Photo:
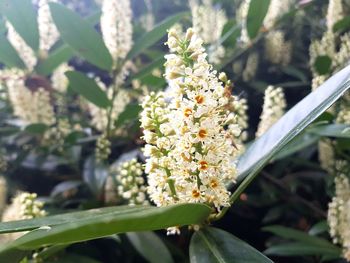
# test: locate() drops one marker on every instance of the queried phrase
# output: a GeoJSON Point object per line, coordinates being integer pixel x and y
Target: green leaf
{"type": "Point", "coordinates": [62, 53]}
{"type": "Point", "coordinates": [8, 55]}
{"type": "Point", "coordinates": [323, 64]}
{"type": "Point", "coordinates": [22, 16]}
{"type": "Point", "coordinates": [81, 36]}
{"type": "Point", "coordinates": [256, 14]}
{"type": "Point", "coordinates": [300, 249]}
{"type": "Point", "coordinates": [36, 128]}
{"type": "Point", "coordinates": [290, 125]}
{"type": "Point", "coordinates": [56, 58]}
{"type": "Point", "coordinates": [332, 130]}
{"type": "Point", "coordinates": [297, 235]}
{"type": "Point", "coordinates": [131, 112]}
{"type": "Point", "coordinates": [342, 24]}
{"type": "Point", "coordinates": [215, 245]}
{"type": "Point", "coordinates": [150, 246]}
{"type": "Point", "coordinates": [230, 33]}
{"type": "Point", "coordinates": [146, 70]}
{"type": "Point", "coordinates": [88, 88]}
{"type": "Point", "coordinates": [96, 223]}
{"type": "Point", "coordinates": [297, 144]}
{"type": "Point", "coordinates": [151, 37]}
{"type": "Point", "coordinates": [319, 228]}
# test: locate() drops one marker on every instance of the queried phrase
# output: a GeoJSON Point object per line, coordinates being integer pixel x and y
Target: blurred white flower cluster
{"type": "Point", "coordinates": [130, 183]}
{"type": "Point", "coordinates": [336, 48]}
{"type": "Point", "coordinates": [23, 206]}
{"type": "Point", "coordinates": [208, 21]}
{"type": "Point", "coordinates": [190, 151]}
{"type": "Point", "coordinates": [339, 215]}
{"type": "Point", "coordinates": [278, 50]}
{"type": "Point", "coordinates": [116, 27]}
{"type": "Point", "coordinates": [273, 109]}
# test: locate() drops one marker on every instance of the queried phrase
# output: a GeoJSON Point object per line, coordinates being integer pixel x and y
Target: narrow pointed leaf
{"type": "Point", "coordinates": [62, 53]}
{"type": "Point", "coordinates": [151, 37]}
{"type": "Point", "coordinates": [332, 130]}
{"type": "Point", "coordinates": [301, 249]}
{"type": "Point", "coordinates": [22, 16]}
{"type": "Point", "coordinates": [88, 88]}
{"type": "Point", "coordinates": [150, 246]}
{"type": "Point", "coordinates": [91, 224]}
{"type": "Point", "coordinates": [256, 14]}
{"type": "Point", "coordinates": [8, 55]}
{"type": "Point", "coordinates": [211, 245]}
{"type": "Point", "coordinates": [298, 235]}
{"type": "Point", "coordinates": [291, 124]}
{"type": "Point", "coordinates": [81, 36]}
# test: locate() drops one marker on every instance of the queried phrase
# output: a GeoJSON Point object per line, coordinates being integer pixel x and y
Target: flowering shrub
{"type": "Point", "coordinates": [239, 122]}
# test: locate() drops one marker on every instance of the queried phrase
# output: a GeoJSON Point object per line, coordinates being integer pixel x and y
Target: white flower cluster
{"type": "Point", "coordinates": [57, 134]}
{"type": "Point", "coordinates": [47, 29]}
{"type": "Point", "coordinates": [240, 118]}
{"type": "Point", "coordinates": [273, 109]}
{"type": "Point", "coordinates": [277, 9]}
{"type": "Point", "coordinates": [208, 22]}
{"type": "Point", "coordinates": [130, 183]}
{"type": "Point", "coordinates": [30, 107]}
{"type": "Point", "coordinates": [326, 155]}
{"type": "Point", "coordinates": [100, 116]}
{"type": "Point", "coordinates": [277, 49]}
{"type": "Point", "coordinates": [59, 80]}
{"type": "Point", "coordinates": [24, 206]}
{"type": "Point", "coordinates": [334, 13]}
{"type": "Point", "coordinates": [147, 20]}
{"type": "Point", "coordinates": [190, 153]}
{"type": "Point", "coordinates": [339, 215]}
{"type": "Point", "coordinates": [116, 27]}
{"type": "Point", "coordinates": [251, 66]}
{"type": "Point", "coordinates": [102, 148]}
{"type": "Point", "coordinates": [24, 51]}
{"type": "Point", "coordinates": [48, 35]}
{"type": "Point", "coordinates": [241, 17]}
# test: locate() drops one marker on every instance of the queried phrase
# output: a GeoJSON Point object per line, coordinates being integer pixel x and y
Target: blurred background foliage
{"type": "Point", "coordinates": [283, 213]}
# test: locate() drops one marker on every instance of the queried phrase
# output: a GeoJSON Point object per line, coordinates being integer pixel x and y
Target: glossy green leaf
{"type": "Point", "coordinates": [300, 142]}
{"type": "Point", "coordinates": [91, 224]}
{"type": "Point", "coordinates": [300, 249]}
{"type": "Point", "coordinates": [81, 36]}
{"type": "Point", "coordinates": [298, 235]}
{"type": "Point", "coordinates": [291, 124]}
{"type": "Point", "coordinates": [256, 14]}
{"type": "Point", "coordinates": [323, 64]}
{"type": "Point", "coordinates": [211, 245]}
{"type": "Point", "coordinates": [88, 88]}
{"type": "Point", "coordinates": [332, 130]}
{"type": "Point", "coordinates": [22, 16]}
{"type": "Point", "coordinates": [150, 246]}
{"type": "Point", "coordinates": [62, 53]}
{"type": "Point", "coordinates": [56, 58]}
{"type": "Point", "coordinates": [153, 36]}
{"type": "Point", "coordinates": [8, 55]}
